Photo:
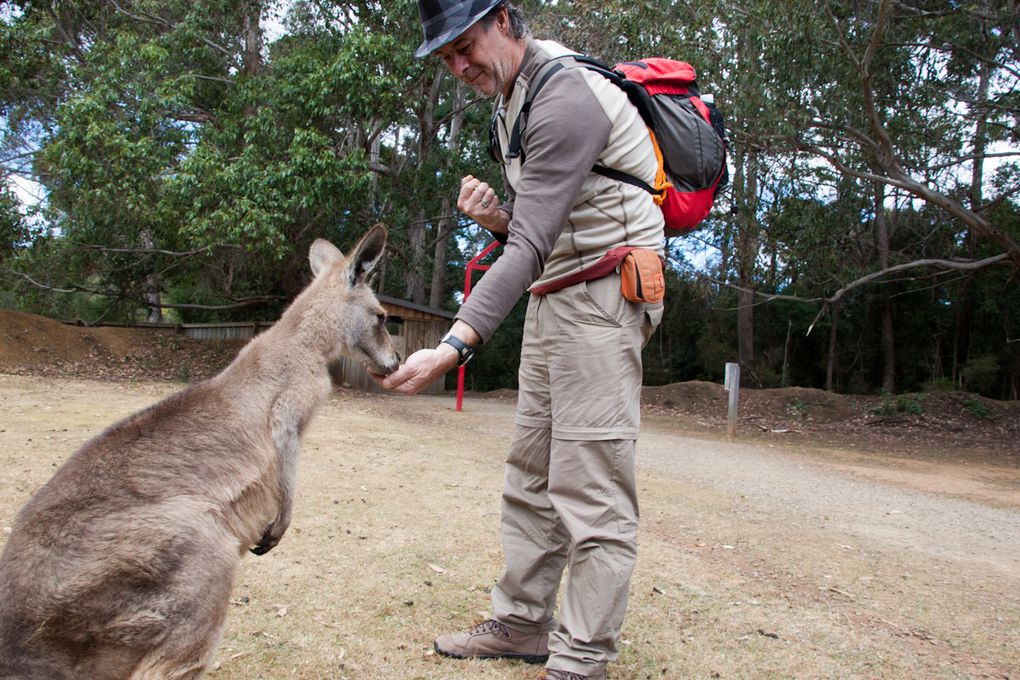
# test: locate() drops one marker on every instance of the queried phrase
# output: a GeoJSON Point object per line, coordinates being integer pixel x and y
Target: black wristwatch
{"type": "Point", "coordinates": [464, 350]}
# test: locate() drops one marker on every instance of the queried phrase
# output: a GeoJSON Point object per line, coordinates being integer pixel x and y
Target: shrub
{"type": "Point", "coordinates": [903, 403]}
{"type": "Point", "coordinates": [980, 374]}
{"type": "Point", "coordinates": [977, 408]}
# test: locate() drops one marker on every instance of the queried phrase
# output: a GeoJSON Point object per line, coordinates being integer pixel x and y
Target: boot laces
{"type": "Point", "coordinates": [491, 626]}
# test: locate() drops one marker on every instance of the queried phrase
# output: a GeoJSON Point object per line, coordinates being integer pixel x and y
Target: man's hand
{"type": "Point", "coordinates": [425, 365]}
{"type": "Point", "coordinates": [479, 201]}
{"type": "Point", "coordinates": [420, 369]}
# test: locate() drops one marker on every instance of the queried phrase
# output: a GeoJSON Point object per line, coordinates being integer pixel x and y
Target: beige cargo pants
{"type": "Point", "coordinates": [569, 496]}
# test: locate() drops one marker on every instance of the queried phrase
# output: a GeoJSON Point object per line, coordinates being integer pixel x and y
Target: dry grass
{"type": "Point", "coordinates": [396, 539]}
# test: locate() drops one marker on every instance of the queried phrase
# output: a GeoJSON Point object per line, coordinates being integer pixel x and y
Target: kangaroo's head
{"type": "Point", "coordinates": [348, 305]}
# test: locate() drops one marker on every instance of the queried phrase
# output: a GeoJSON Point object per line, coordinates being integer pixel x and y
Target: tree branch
{"type": "Point", "coordinates": [951, 265]}
{"type": "Point", "coordinates": [154, 251]}
{"type": "Point", "coordinates": [244, 302]}
{"type": "Point", "coordinates": [897, 177]}
{"type": "Point", "coordinates": [149, 19]}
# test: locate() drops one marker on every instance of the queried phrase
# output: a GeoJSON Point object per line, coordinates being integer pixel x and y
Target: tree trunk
{"type": "Point", "coordinates": [888, 343]}
{"type": "Point", "coordinates": [252, 37]}
{"type": "Point", "coordinates": [444, 229]}
{"type": "Point", "coordinates": [830, 364]}
{"type": "Point", "coordinates": [746, 258]}
{"type": "Point", "coordinates": [153, 284]}
{"type": "Point", "coordinates": [415, 275]}
{"type": "Point", "coordinates": [786, 353]}
{"type": "Point", "coordinates": [440, 256]}
{"type": "Point", "coordinates": [967, 303]}
{"type": "Point", "coordinates": [415, 272]}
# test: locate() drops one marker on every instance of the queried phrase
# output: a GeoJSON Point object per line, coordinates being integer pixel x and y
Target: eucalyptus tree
{"type": "Point", "coordinates": [865, 86]}
{"type": "Point", "coordinates": [114, 96]}
{"type": "Point", "coordinates": [14, 228]}
{"type": "Point", "coordinates": [888, 97]}
{"type": "Point", "coordinates": [188, 160]}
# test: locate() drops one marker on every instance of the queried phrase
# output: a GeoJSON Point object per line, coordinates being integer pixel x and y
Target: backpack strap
{"type": "Point", "coordinates": [637, 95]}
{"type": "Point", "coordinates": [544, 73]}
{"type": "Point", "coordinates": [662, 183]}
{"type": "Point", "coordinates": [635, 92]}
{"type": "Point", "coordinates": [621, 176]}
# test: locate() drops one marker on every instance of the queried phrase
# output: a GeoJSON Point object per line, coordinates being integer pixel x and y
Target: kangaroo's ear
{"type": "Point", "coordinates": [367, 253]}
{"type": "Point", "coordinates": [322, 255]}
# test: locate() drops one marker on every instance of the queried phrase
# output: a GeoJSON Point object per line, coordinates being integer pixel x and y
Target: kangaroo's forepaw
{"type": "Point", "coordinates": [268, 541]}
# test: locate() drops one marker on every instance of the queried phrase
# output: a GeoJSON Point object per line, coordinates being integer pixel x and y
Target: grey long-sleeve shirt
{"type": "Point", "coordinates": [563, 216]}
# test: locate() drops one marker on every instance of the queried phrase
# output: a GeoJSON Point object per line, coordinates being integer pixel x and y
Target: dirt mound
{"type": "Point", "coordinates": [35, 345]}
{"type": "Point", "coordinates": [695, 396]}
{"type": "Point", "coordinates": [802, 403]}
{"type": "Point", "coordinates": [705, 398]}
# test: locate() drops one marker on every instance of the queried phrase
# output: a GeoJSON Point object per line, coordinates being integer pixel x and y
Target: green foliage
{"type": "Point", "coordinates": [902, 403]}
{"type": "Point", "coordinates": [496, 364]}
{"type": "Point", "coordinates": [797, 407]}
{"type": "Point", "coordinates": [14, 229]}
{"type": "Point", "coordinates": [674, 352]}
{"type": "Point", "coordinates": [941, 384]}
{"type": "Point", "coordinates": [981, 373]}
{"type": "Point", "coordinates": [977, 408]}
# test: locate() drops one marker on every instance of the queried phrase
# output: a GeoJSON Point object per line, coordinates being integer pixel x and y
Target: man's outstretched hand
{"type": "Point", "coordinates": [420, 369]}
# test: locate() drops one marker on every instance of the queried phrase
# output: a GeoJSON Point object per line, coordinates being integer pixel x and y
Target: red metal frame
{"type": "Point", "coordinates": [472, 266]}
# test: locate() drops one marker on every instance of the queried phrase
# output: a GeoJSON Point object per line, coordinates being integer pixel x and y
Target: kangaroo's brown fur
{"type": "Point", "coordinates": [121, 566]}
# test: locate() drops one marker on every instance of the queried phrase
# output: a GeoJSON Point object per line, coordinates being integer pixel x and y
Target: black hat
{"type": "Point", "coordinates": [444, 20]}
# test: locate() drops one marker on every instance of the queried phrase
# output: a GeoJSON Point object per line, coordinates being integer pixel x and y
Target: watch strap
{"type": "Point", "coordinates": [464, 350]}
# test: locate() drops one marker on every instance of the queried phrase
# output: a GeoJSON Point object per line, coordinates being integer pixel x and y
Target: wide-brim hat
{"type": "Point", "coordinates": [444, 20]}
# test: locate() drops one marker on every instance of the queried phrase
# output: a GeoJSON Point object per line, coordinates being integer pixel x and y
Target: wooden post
{"type": "Point", "coordinates": [732, 385]}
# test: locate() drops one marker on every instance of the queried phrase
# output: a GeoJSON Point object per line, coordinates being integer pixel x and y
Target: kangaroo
{"type": "Point", "coordinates": [122, 565]}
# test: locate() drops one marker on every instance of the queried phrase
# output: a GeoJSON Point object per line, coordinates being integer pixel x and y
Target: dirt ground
{"type": "Point", "coordinates": [833, 538]}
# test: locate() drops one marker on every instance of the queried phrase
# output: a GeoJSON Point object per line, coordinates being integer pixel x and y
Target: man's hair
{"type": "Point", "coordinates": [518, 26]}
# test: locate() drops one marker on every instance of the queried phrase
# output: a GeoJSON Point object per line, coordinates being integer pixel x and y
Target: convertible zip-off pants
{"type": "Point", "coordinates": [569, 496]}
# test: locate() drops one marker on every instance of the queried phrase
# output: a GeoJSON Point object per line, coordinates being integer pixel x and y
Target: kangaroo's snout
{"type": "Point", "coordinates": [382, 363]}
{"type": "Point", "coordinates": [389, 366]}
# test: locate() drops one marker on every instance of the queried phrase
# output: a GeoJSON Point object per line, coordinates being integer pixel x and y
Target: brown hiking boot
{"type": "Point", "coordinates": [494, 640]}
{"type": "Point", "coordinates": [554, 674]}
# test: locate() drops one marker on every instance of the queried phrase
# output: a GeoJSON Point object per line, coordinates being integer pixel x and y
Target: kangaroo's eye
{"type": "Point", "coordinates": [380, 319]}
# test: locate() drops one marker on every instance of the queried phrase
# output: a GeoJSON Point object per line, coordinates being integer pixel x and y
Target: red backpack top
{"type": "Point", "coordinates": [687, 133]}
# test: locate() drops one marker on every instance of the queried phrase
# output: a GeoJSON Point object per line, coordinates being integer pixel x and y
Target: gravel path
{"type": "Point", "coordinates": [928, 523]}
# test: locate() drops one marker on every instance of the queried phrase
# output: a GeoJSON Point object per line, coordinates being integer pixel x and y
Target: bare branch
{"type": "Point", "coordinates": [150, 19]}
{"type": "Point", "coordinates": [154, 251]}
{"type": "Point", "coordinates": [73, 289]}
{"type": "Point", "coordinates": [68, 40]}
{"type": "Point", "coordinates": [948, 265]}
{"type": "Point", "coordinates": [851, 133]}
{"type": "Point", "coordinates": [876, 38]}
{"type": "Point", "coordinates": [972, 157]}
{"type": "Point", "coordinates": [244, 302]}
{"type": "Point", "coordinates": [898, 178]}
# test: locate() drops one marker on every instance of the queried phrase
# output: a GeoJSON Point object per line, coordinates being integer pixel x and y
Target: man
{"type": "Point", "coordinates": [569, 497]}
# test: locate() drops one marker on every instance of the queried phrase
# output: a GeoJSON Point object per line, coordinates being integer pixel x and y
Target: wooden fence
{"type": "Point", "coordinates": [411, 326]}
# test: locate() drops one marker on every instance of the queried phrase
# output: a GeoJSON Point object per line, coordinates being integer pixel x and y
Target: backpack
{"type": "Point", "coordinates": [687, 132]}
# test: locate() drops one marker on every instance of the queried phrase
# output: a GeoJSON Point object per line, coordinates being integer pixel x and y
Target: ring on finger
{"type": "Point", "coordinates": [485, 203]}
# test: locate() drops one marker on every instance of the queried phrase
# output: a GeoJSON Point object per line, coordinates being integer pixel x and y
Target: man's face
{"type": "Point", "coordinates": [481, 56]}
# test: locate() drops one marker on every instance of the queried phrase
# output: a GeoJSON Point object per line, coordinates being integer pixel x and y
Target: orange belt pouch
{"type": "Point", "coordinates": [641, 278]}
